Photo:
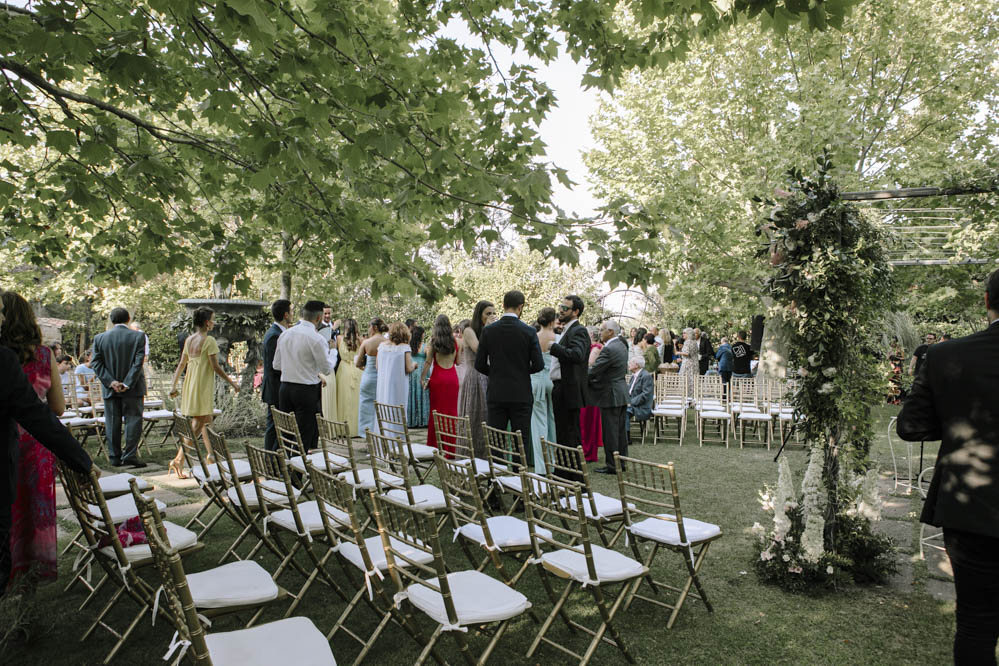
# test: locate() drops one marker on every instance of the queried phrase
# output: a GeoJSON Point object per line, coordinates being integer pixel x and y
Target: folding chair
{"type": "Point", "coordinates": [392, 422]}
{"type": "Point", "coordinates": [506, 457]}
{"type": "Point", "coordinates": [712, 412]}
{"type": "Point", "coordinates": [454, 601]}
{"type": "Point", "coordinates": [280, 508]}
{"type": "Point", "coordinates": [361, 477]}
{"type": "Point", "coordinates": [780, 394]}
{"type": "Point", "coordinates": [289, 641]}
{"type": "Point", "coordinates": [290, 441]}
{"type": "Point", "coordinates": [359, 555]}
{"type": "Point", "coordinates": [454, 435]}
{"type": "Point", "coordinates": [670, 406]}
{"type": "Point", "coordinates": [393, 482]}
{"type": "Point", "coordinates": [652, 515]}
{"type": "Point", "coordinates": [121, 565]}
{"type": "Point", "coordinates": [602, 510]}
{"type": "Point", "coordinates": [556, 518]}
{"type": "Point", "coordinates": [752, 409]}
{"type": "Point", "coordinates": [496, 535]}
{"type": "Point", "coordinates": [154, 415]}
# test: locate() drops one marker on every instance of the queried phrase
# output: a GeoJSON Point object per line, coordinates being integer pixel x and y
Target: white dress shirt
{"type": "Point", "coordinates": [301, 355]}
{"type": "Point", "coordinates": [556, 371]}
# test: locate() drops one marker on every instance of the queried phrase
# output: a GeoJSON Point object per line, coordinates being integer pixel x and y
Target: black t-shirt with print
{"type": "Point", "coordinates": [742, 354]}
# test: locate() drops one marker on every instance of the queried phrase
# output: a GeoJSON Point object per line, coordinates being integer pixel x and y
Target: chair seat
{"type": "Point", "coordinates": [83, 409]}
{"type": "Point", "coordinates": [316, 459]}
{"type": "Point", "coordinates": [610, 565]}
{"type": "Point", "coordinates": [77, 422]}
{"type": "Point", "coordinates": [352, 553]}
{"type": "Point", "coordinates": [309, 513]}
{"type": "Point", "coordinates": [715, 414]}
{"type": "Point", "coordinates": [786, 416]}
{"type": "Point", "coordinates": [240, 583]}
{"type": "Point", "coordinates": [250, 492]}
{"type": "Point", "coordinates": [607, 507]}
{"type": "Point", "coordinates": [157, 415]}
{"type": "Point", "coordinates": [423, 452]}
{"type": "Point", "coordinates": [506, 531]}
{"type": "Point", "coordinates": [478, 599]}
{"type": "Point", "coordinates": [122, 508]}
{"type": "Point", "coordinates": [665, 530]}
{"type": "Point", "coordinates": [513, 483]}
{"type": "Point", "coordinates": [425, 496]}
{"type": "Point", "coordinates": [242, 468]}
{"type": "Point", "coordinates": [117, 484]}
{"type": "Point", "coordinates": [481, 466]}
{"type": "Point", "coordinates": [155, 403]}
{"type": "Point", "coordinates": [294, 640]}
{"type": "Point", "coordinates": [68, 414]}
{"type": "Point", "coordinates": [668, 411]}
{"type": "Point", "coordinates": [755, 416]}
{"type": "Point", "coordinates": [178, 537]}
{"type": "Point", "coordinates": [367, 477]}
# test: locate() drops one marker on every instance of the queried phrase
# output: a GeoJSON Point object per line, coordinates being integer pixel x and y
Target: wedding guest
{"type": "Point", "coordinates": [366, 361]}
{"type": "Point", "coordinates": [569, 364]}
{"type": "Point", "coordinates": [327, 382]}
{"type": "Point", "coordinates": [590, 426]}
{"type": "Point", "coordinates": [118, 357]}
{"type": "Point", "coordinates": [725, 360]}
{"type": "Point", "coordinates": [443, 382]}
{"type": "Point", "coordinates": [302, 356]}
{"type": "Point", "coordinates": [689, 354]}
{"type": "Point", "coordinates": [134, 325]}
{"type": "Point", "coordinates": [636, 346]}
{"type": "Point", "coordinates": [705, 352]}
{"type": "Point", "coordinates": [419, 402]}
{"type": "Point", "coordinates": [610, 392]}
{"type": "Point", "coordinates": [348, 375]}
{"type": "Point", "coordinates": [395, 363]}
{"type": "Point", "coordinates": [650, 355]}
{"type": "Point", "coordinates": [460, 362]}
{"type": "Point", "coordinates": [32, 539]}
{"type": "Point", "coordinates": [742, 356]}
{"type": "Point", "coordinates": [543, 412]}
{"type": "Point", "coordinates": [64, 365]}
{"type": "Point", "coordinates": [641, 395]}
{"type": "Point", "coordinates": [201, 362]}
{"type": "Point", "coordinates": [84, 375]}
{"type": "Point", "coordinates": [271, 386]}
{"type": "Point", "coordinates": [472, 395]}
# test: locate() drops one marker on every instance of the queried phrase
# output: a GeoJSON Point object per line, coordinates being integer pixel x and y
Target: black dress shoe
{"type": "Point", "coordinates": [605, 470]}
{"type": "Point", "coordinates": [136, 464]}
{"type": "Point", "coordinates": [114, 462]}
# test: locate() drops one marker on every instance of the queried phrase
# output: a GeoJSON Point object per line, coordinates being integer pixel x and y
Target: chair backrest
{"type": "Point", "coordinates": [671, 388]}
{"type": "Point", "coordinates": [272, 483]}
{"type": "Point", "coordinates": [454, 435]}
{"type": "Point", "coordinates": [96, 395]}
{"type": "Point", "coordinates": [504, 451]}
{"type": "Point", "coordinates": [568, 463]}
{"type": "Point", "coordinates": [335, 498]}
{"type": "Point", "coordinates": [461, 491]}
{"type": "Point", "coordinates": [69, 393]}
{"type": "Point", "coordinates": [556, 506]}
{"type": "Point", "coordinates": [334, 437]}
{"type": "Point", "coordinates": [389, 457]}
{"type": "Point", "coordinates": [179, 602]}
{"type": "Point", "coordinates": [189, 444]}
{"type": "Point", "coordinates": [709, 391]}
{"type": "Point", "coordinates": [288, 436]}
{"type": "Point", "coordinates": [392, 421]}
{"type": "Point", "coordinates": [746, 393]}
{"type": "Point", "coordinates": [228, 476]}
{"type": "Point", "coordinates": [407, 531]}
{"type": "Point", "coordinates": [651, 491]}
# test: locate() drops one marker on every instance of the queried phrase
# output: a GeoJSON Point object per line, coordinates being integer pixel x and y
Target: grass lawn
{"type": "Point", "coordinates": [752, 623]}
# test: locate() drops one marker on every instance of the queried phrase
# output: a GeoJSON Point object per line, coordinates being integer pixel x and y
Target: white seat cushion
{"type": "Point", "coordinates": [607, 507]}
{"type": "Point", "coordinates": [610, 565]}
{"type": "Point", "coordinates": [367, 477]}
{"type": "Point", "coordinates": [250, 492]}
{"type": "Point", "coordinates": [83, 409]}
{"type": "Point", "coordinates": [77, 422]}
{"type": "Point", "coordinates": [478, 598]}
{"type": "Point", "coordinates": [481, 466]}
{"type": "Point", "coordinates": [715, 414]}
{"type": "Point", "coordinates": [154, 403]}
{"type": "Point", "coordinates": [316, 458]}
{"type": "Point", "coordinates": [294, 640]}
{"type": "Point", "coordinates": [122, 508]}
{"type": "Point", "coordinates": [667, 531]}
{"type": "Point", "coordinates": [423, 452]}
{"type": "Point", "coordinates": [513, 483]}
{"type": "Point", "coordinates": [241, 466]}
{"type": "Point", "coordinates": [755, 416]}
{"type": "Point", "coordinates": [309, 513]}
{"type": "Point", "coordinates": [786, 416]}
{"type": "Point", "coordinates": [177, 536]}
{"type": "Point", "coordinates": [669, 411]}
{"type": "Point", "coordinates": [117, 484]}
{"type": "Point", "coordinates": [68, 414]}
{"type": "Point", "coordinates": [426, 497]}
{"type": "Point", "coordinates": [506, 531]}
{"type": "Point", "coordinates": [373, 545]}
{"type": "Point", "coordinates": [157, 415]}
{"type": "Point", "coordinates": [234, 584]}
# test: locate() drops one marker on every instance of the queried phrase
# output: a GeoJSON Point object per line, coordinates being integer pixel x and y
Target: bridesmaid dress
{"type": "Point", "coordinates": [419, 403]}
{"type": "Point", "coordinates": [348, 387]}
{"type": "Point", "coordinates": [392, 387]}
{"type": "Point", "coordinates": [443, 387]}
{"type": "Point", "coordinates": [366, 399]}
{"type": "Point", "coordinates": [543, 415]}
{"type": "Point", "coordinates": [472, 403]}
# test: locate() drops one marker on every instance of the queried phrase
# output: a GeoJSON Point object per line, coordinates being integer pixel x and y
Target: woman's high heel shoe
{"type": "Point", "coordinates": [175, 468]}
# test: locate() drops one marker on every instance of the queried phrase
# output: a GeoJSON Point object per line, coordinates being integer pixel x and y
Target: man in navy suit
{"type": "Point", "coordinates": [509, 353]}
{"type": "Point", "coordinates": [281, 312]}
{"type": "Point", "coordinates": [118, 357]}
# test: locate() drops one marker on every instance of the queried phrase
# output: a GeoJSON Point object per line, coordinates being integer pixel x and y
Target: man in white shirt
{"type": "Point", "coordinates": [301, 357]}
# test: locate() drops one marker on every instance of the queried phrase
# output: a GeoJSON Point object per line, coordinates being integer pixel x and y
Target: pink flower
{"type": "Point", "coordinates": [795, 569]}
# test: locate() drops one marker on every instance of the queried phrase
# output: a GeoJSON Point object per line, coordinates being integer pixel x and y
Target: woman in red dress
{"type": "Point", "coordinates": [33, 516]}
{"type": "Point", "coordinates": [590, 428]}
{"type": "Point", "coordinates": [443, 383]}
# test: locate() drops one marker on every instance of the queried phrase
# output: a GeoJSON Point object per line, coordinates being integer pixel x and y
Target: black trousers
{"type": "Point", "coordinates": [270, 435]}
{"type": "Point", "coordinates": [5, 561]}
{"type": "Point", "coordinates": [131, 410]}
{"type": "Point", "coordinates": [305, 401]}
{"type": "Point", "coordinates": [566, 419]}
{"type": "Point", "coordinates": [702, 365]}
{"type": "Point", "coordinates": [614, 421]}
{"type": "Point", "coordinates": [518, 416]}
{"type": "Point", "coordinates": [975, 559]}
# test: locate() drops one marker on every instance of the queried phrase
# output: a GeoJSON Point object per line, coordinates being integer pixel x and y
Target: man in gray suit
{"type": "Point", "coordinates": [641, 394]}
{"type": "Point", "coordinates": [117, 360]}
{"type": "Point", "coordinates": [610, 392]}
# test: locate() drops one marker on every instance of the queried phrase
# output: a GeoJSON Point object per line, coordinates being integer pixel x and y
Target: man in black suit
{"type": "Point", "coordinates": [705, 351]}
{"type": "Point", "coordinates": [117, 361]}
{"type": "Point", "coordinates": [610, 392]}
{"type": "Point", "coordinates": [955, 399]}
{"type": "Point", "coordinates": [20, 404]}
{"type": "Point", "coordinates": [281, 312]}
{"type": "Point", "coordinates": [509, 353]}
{"type": "Point", "coordinates": [569, 366]}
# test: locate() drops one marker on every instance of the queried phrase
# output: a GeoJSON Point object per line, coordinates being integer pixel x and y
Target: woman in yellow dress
{"type": "Point", "coordinates": [200, 359]}
{"type": "Point", "coordinates": [348, 376]}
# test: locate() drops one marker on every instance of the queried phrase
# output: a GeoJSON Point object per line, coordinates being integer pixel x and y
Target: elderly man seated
{"type": "Point", "coordinates": [641, 393]}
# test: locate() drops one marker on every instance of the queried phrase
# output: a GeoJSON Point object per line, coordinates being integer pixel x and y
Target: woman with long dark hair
{"type": "Point", "coordinates": [33, 514]}
{"type": "Point", "coordinates": [348, 375]}
{"type": "Point", "coordinates": [366, 360]}
{"type": "Point", "coordinates": [419, 402]}
{"type": "Point", "coordinates": [472, 396]}
{"type": "Point", "coordinates": [591, 429]}
{"type": "Point", "coordinates": [443, 383]}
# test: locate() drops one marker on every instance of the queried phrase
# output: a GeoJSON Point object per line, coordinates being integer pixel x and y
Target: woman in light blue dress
{"type": "Point", "coordinates": [366, 357]}
{"type": "Point", "coordinates": [543, 416]}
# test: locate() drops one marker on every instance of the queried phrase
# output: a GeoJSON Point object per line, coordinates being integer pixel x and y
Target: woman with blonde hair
{"type": "Point", "coordinates": [395, 363]}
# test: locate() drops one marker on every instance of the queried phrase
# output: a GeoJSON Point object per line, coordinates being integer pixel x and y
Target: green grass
{"type": "Point", "coordinates": [752, 623]}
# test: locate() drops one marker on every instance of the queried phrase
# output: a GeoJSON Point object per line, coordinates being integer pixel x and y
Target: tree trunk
{"type": "Point", "coordinates": [286, 263]}
{"type": "Point", "coordinates": [773, 350]}
{"type": "Point", "coordinates": [830, 477]}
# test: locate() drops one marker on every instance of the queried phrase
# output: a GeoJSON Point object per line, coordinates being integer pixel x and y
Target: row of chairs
{"type": "Point", "coordinates": [276, 515]}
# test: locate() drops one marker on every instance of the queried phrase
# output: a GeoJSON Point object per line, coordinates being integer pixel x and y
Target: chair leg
{"type": "Point", "coordinates": [608, 623]}
{"type": "Point", "coordinates": [557, 610]}
{"type": "Point", "coordinates": [430, 646]}
{"type": "Point", "coordinates": [693, 568]}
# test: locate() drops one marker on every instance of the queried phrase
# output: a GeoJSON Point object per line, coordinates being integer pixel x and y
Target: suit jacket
{"type": "Point", "coordinates": [607, 385]}
{"type": "Point", "coordinates": [118, 355]}
{"type": "Point", "coordinates": [509, 353]}
{"type": "Point", "coordinates": [573, 354]}
{"type": "Point", "coordinates": [272, 378]}
{"type": "Point", "coordinates": [954, 399]}
{"type": "Point", "coordinates": [19, 403]}
{"type": "Point", "coordinates": [643, 394]}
